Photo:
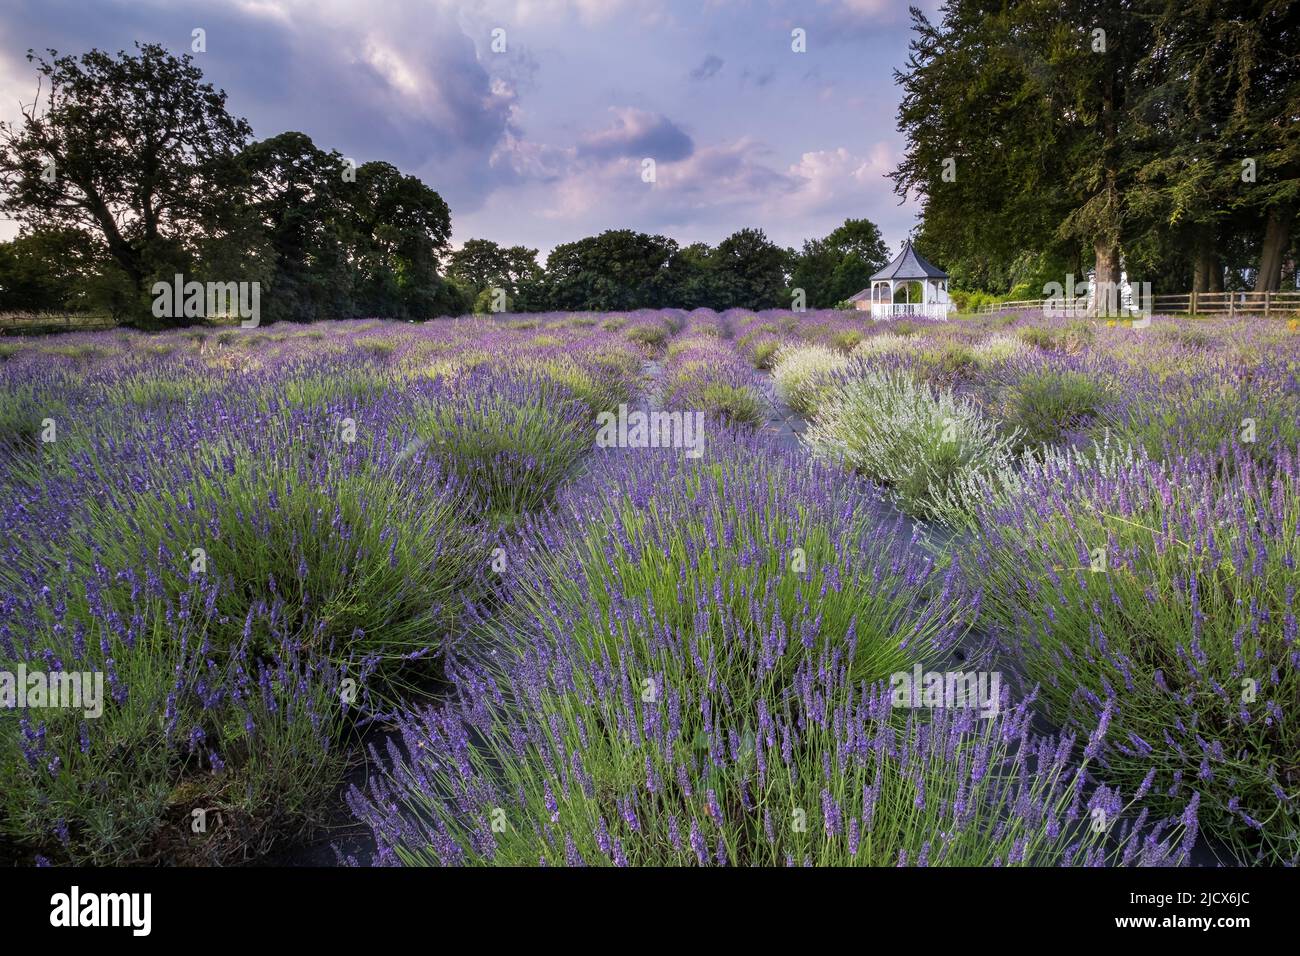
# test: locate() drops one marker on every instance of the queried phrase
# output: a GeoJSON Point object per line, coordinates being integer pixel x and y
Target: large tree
{"type": "Point", "coordinates": [750, 271]}
{"type": "Point", "coordinates": [691, 281]}
{"type": "Point", "coordinates": [296, 191]}
{"type": "Point", "coordinates": [482, 264]}
{"type": "Point", "coordinates": [134, 149]}
{"type": "Point", "coordinates": [47, 270]}
{"type": "Point", "coordinates": [399, 230]}
{"type": "Point", "coordinates": [1015, 115]}
{"type": "Point", "coordinates": [981, 155]}
{"type": "Point", "coordinates": [1053, 133]}
{"type": "Point", "coordinates": [618, 269]}
{"type": "Point", "coordinates": [832, 269]}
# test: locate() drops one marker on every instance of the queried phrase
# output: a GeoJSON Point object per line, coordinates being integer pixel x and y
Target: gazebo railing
{"type": "Point", "coordinates": [893, 310]}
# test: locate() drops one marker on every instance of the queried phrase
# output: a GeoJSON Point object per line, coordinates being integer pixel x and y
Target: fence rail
{"type": "Point", "coordinates": [1267, 304]}
{"type": "Point", "coordinates": [54, 322]}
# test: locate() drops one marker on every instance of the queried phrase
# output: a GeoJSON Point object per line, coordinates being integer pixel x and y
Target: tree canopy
{"type": "Point", "coordinates": [1048, 136]}
{"type": "Point", "coordinates": [136, 163]}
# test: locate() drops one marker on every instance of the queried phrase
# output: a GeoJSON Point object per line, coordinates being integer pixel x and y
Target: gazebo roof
{"type": "Point", "coordinates": [910, 265]}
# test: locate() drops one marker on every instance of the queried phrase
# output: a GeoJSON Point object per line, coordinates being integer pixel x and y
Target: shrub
{"type": "Point", "coordinates": [370, 558]}
{"type": "Point", "coordinates": [252, 738]}
{"type": "Point", "coordinates": [802, 374]}
{"type": "Point", "coordinates": [1047, 405]}
{"type": "Point", "coordinates": [224, 588]}
{"type": "Point", "coordinates": [22, 410]}
{"type": "Point", "coordinates": [322, 386]}
{"type": "Point", "coordinates": [80, 353]}
{"type": "Point", "coordinates": [733, 404]}
{"type": "Point", "coordinates": [601, 387]}
{"type": "Point", "coordinates": [152, 390]}
{"type": "Point", "coordinates": [375, 347]}
{"type": "Point", "coordinates": [693, 342]}
{"type": "Point", "coordinates": [1037, 336]}
{"type": "Point", "coordinates": [846, 340]}
{"type": "Point", "coordinates": [902, 433]}
{"type": "Point", "coordinates": [760, 345]}
{"type": "Point", "coordinates": [765, 353]}
{"type": "Point", "coordinates": [886, 343]}
{"type": "Point", "coordinates": [1070, 339]}
{"type": "Point", "coordinates": [651, 335]}
{"type": "Point", "coordinates": [945, 364]}
{"type": "Point", "coordinates": [707, 375]}
{"type": "Point", "coordinates": [999, 348]}
{"type": "Point", "coordinates": [1184, 334]}
{"type": "Point", "coordinates": [1187, 418]}
{"type": "Point", "coordinates": [511, 439]}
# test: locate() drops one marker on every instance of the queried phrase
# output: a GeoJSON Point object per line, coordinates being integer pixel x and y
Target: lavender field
{"type": "Point", "coordinates": [656, 588]}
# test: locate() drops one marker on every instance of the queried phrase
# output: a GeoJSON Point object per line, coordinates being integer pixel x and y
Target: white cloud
{"type": "Point", "coordinates": [830, 176]}
{"type": "Point", "coordinates": [389, 63]}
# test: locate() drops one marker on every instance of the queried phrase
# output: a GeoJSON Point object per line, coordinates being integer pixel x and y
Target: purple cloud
{"type": "Point", "coordinates": [708, 67]}
{"type": "Point", "coordinates": [638, 133]}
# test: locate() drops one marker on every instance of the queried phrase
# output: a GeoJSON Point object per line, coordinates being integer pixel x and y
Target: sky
{"type": "Point", "coordinates": [534, 118]}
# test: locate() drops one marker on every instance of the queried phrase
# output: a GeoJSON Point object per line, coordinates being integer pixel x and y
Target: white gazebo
{"type": "Point", "coordinates": [910, 269]}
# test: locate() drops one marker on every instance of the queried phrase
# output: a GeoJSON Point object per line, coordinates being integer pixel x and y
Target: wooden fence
{"type": "Point", "coordinates": [1268, 304]}
{"type": "Point", "coordinates": [22, 323]}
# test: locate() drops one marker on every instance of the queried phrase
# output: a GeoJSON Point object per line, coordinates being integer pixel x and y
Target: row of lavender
{"type": "Point", "coordinates": [255, 541]}
{"type": "Point", "coordinates": [693, 671]}
{"type": "Point", "coordinates": [267, 538]}
{"type": "Point", "coordinates": [1128, 499]}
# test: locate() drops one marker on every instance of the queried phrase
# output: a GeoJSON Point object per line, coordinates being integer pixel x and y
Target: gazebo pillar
{"type": "Point", "coordinates": [878, 285]}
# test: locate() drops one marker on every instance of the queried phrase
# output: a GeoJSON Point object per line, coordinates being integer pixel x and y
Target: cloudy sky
{"type": "Point", "coordinates": [545, 141]}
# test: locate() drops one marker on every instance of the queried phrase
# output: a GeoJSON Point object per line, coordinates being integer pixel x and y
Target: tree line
{"type": "Point", "coordinates": [1055, 136]}
{"type": "Point", "coordinates": [624, 269]}
{"type": "Point", "coordinates": [127, 170]}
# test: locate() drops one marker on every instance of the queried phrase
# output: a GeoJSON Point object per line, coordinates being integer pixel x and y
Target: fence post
{"type": "Point", "coordinates": [1267, 297]}
{"type": "Point", "coordinates": [1191, 306]}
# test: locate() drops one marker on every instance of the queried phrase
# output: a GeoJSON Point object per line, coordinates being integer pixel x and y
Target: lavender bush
{"type": "Point", "coordinates": [1158, 601]}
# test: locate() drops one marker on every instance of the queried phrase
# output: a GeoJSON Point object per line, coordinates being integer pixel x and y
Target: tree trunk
{"type": "Point", "coordinates": [1277, 238]}
{"type": "Point", "coordinates": [1106, 298]}
{"type": "Point", "coordinates": [1204, 264]}
{"type": "Point", "coordinates": [1216, 274]}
